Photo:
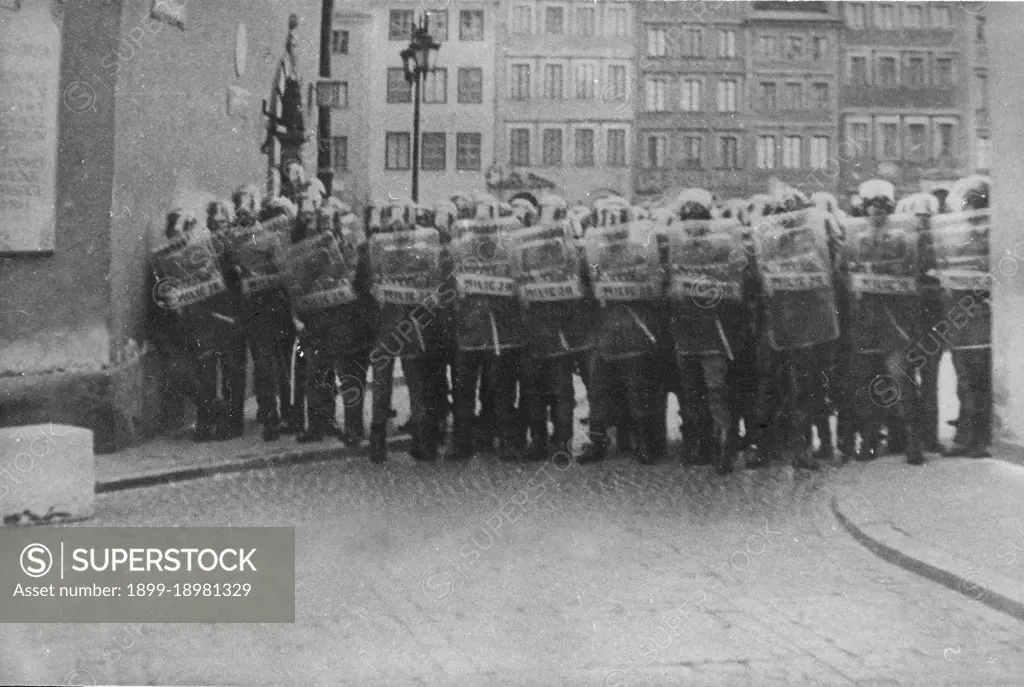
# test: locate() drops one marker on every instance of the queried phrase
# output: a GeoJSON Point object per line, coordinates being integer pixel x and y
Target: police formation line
{"type": "Point", "coordinates": [768, 318]}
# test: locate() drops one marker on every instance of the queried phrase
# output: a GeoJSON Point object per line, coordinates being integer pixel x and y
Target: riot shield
{"type": "Point", "coordinates": [187, 271]}
{"type": "Point", "coordinates": [961, 242]}
{"type": "Point", "coordinates": [258, 252]}
{"type": "Point", "coordinates": [624, 261]}
{"type": "Point", "coordinates": [485, 263]}
{"type": "Point", "coordinates": [488, 312]}
{"type": "Point", "coordinates": [317, 275]}
{"type": "Point", "coordinates": [705, 269]}
{"type": "Point", "coordinates": [548, 263]}
{"type": "Point", "coordinates": [406, 265]}
{"type": "Point", "coordinates": [883, 269]}
{"type": "Point", "coordinates": [796, 274]}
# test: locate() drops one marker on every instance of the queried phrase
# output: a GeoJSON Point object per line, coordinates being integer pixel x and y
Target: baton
{"type": "Point", "coordinates": [892, 319]}
{"type": "Point", "coordinates": [565, 343]}
{"type": "Point", "coordinates": [295, 353]}
{"type": "Point", "coordinates": [494, 334]}
{"type": "Point", "coordinates": [725, 340]}
{"type": "Point", "coordinates": [419, 335]}
{"type": "Point", "coordinates": [642, 325]}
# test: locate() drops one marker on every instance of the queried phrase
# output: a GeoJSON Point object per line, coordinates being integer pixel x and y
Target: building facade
{"type": "Point", "coordinates": [565, 91]}
{"type": "Point", "coordinates": [692, 105]}
{"type": "Point", "coordinates": [794, 95]}
{"type": "Point", "coordinates": [372, 122]}
{"type": "Point", "coordinates": [905, 94]}
{"type": "Point", "coordinates": [151, 114]}
{"type": "Point", "coordinates": [978, 111]}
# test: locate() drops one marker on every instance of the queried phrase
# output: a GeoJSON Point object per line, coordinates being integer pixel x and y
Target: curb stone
{"type": "Point", "coordinates": [896, 547]}
{"type": "Point", "coordinates": [242, 463]}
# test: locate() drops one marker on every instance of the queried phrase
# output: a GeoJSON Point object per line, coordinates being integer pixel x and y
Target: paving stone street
{"type": "Point", "coordinates": [493, 573]}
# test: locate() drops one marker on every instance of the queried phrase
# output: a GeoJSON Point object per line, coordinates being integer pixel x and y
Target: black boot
{"type": "Point", "coordinates": [378, 444]}
{"type": "Point", "coordinates": [271, 431]}
{"type": "Point", "coordinates": [726, 452]}
{"type": "Point", "coordinates": [596, 450]}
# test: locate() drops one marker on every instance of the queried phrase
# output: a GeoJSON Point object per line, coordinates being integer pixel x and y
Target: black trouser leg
{"type": "Point", "coordinates": [204, 366]}
{"type": "Point", "coordinates": [233, 362]}
{"type": "Point", "coordinates": [467, 370]}
{"type": "Point", "coordinates": [353, 384]}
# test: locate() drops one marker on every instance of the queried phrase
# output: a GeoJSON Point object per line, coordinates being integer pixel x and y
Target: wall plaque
{"type": "Point", "coordinates": [30, 48]}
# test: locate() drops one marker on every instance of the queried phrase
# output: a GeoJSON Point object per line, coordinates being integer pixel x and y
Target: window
{"type": "Point", "coordinates": [859, 71]}
{"type": "Point", "coordinates": [339, 153]}
{"type": "Point", "coordinates": [917, 141]}
{"type": "Point", "coordinates": [885, 16]}
{"type": "Point", "coordinates": [769, 101]}
{"type": "Point", "coordinates": [819, 47]}
{"type": "Point", "coordinates": [979, 29]}
{"type": "Point", "coordinates": [584, 147]}
{"type": "Point", "coordinates": [586, 18]}
{"type": "Point", "coordinates": [944, 141]}
{"type": "Point", "coordinates": [617, 82]}
{"type": "Point", "coordinates": [984, 153]}
{"type": "Point", "coordinates": [551, 156]}
{"type": "Point", "coordinates": [728, 152]}
{"type": "Point", "coordinates": [689, 96]}
{"type": "Point", "coordinates": [914, 75]}
{"type": "Point", "coordinates": [467, 152]}
{"type": "Point", "coordinates": [657, 43]}
{"type": "Point", "coordinates": [944, 72]}
{"type": "Point", "coordinates": [692, 158]}
{"type": "Point", "coordinates": [522, 20]}
{"type": "Point", "coordinates": [437, 24]}
{"type": "Point", "coordinates": [941, 18]}
{"type": "Point", "coordinates": [339, 42]}
{"type": "Point", "coordinates": [332, 94]}
{"type": "Point", "coordinates": [770, 47]}
{"type": "Point", "coordinates": [399, 90]}
{"type": "Point", "coordinates": [983, 91]}
{"type": "Point", "coordinates": [471, 85]}
{"type": "Point", "coordinates": [794, 48]}
{"type": "Point", "coordinates": [471, 25]}
{"type": "Point", "coordinates": [692, 42]}
{"type": "Point", "coordinates": [726, 43]}
{"type": "Point", "coordinates": [585, 81]}
{"type": "Point", "coordinates": [554, 21]}
{"type": "Point", "coordinates": [887, 71]}
{"type": "Point", "coordinates": [821, 99]}
{"type": "Point", "coordinates": [855, 15]}
{"type": "Point", "coordinates": [617, 21]}
{"type": "Point", "coordinates": [433, 152]}
{"type": "Point", "coordinates": [519, 148]}
{"type": "Point", "coordinates": [396, 150]}
{"type": "Point", "coordinates": [888, 140]}
{"type": "Point", "coordinates": [819, 152]}
{"type": "Point", "coordinates": [791, 158]}
{"type": "Point", "coordinates": [727, 96]}
{"type": "Point", "coordinates": [520, 86]}
{"type": "Point", "coordinates": [766, 152]}
{"type": "Point", "coordinates": [435, 87]}
{"type": "Point", "coordinates": [655, 90]}
{"type": "Point", "coordinates": [400, 25]}
{"type": "Point", "coordinates": [859, 138]}
{"type": "Point", "coordinates": [616, 148]}
{"type": "Point", "coordinates": [913, 16]}
{"type": "Point", "coordinates": [794, 96]}
{"type": "Point", "coordinates": [655, 154]}
{"type": "Point", "coordinates": [553, 81]}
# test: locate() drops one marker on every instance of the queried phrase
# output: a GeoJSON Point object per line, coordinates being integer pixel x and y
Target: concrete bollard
{"type": "Point", "coordinates": [47, 474]}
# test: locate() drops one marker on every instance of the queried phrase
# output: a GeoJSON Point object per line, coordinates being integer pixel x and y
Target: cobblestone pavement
{"type": "Point", "coordinates": [613, 574]}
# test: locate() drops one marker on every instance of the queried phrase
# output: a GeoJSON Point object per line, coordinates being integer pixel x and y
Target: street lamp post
{"type": "Point", "coordinates": [418, 59]}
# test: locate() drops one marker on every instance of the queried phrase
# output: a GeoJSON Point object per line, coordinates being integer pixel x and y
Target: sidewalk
{"type": "Point", "coordinates": [176, 457]}
{"type": "Point", "coordinates": [956, 521]}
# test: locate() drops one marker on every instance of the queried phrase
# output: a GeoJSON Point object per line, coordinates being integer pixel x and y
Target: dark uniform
{"type": "Point", "coordinates": [232, 351]}
{"type": "Point", "coordinates": [269, 331]}
{"type": "Point", "coordinates": [887, 328]}
{"type": "Point", "coordinates": [420, 336]}
{"type": "Point", "coordinates": [625, 355]}
{"type": "Point", "coordinates": [337, 341]}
